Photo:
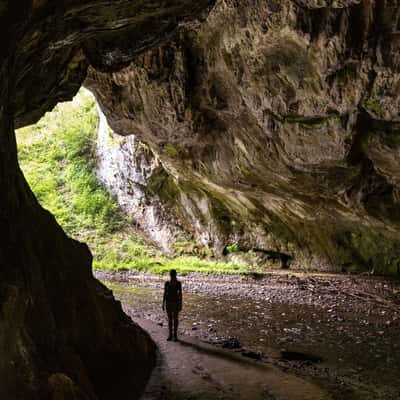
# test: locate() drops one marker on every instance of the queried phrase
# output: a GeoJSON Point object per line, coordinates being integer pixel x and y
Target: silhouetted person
{"type": "Point", "coordinates": [172, 301]}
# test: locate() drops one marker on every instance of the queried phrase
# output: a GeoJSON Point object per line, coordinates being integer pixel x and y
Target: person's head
{"type": "Point", "coordinates": [172, 274]}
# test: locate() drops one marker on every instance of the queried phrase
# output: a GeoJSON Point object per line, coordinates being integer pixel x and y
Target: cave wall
{"type": "Point", "coordinates": [62, 334]}
{"type": "Point", "coordinates": [278, 121]}
{"type": "Point", "coordinates": [127, 168]}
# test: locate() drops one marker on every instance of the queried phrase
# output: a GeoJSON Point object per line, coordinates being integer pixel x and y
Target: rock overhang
{"type": "Point", "coordinates": [283, 115]}
{"type": "Point", "coordinates": [56, 42]}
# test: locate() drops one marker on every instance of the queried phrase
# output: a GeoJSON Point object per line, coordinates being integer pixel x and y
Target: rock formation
{"type": "Point", "coordinates": [62, 334]}
{"type": "Point", "coordinates": [276, 126]}
{"type": "Point", "coordinates": [127, 168]}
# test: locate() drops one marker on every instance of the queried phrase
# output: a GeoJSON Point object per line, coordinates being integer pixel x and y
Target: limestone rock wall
{"type": "Point", "coordinates": [127, 168]}
{"type": "Point", "coordinates": [281, 119]}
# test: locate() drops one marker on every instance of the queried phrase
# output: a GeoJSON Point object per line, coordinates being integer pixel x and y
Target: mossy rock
{"type": "Point", "coordinates": [175, 151]}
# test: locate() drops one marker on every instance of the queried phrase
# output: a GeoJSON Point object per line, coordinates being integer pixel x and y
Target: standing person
{"type": "Point", "coordinates": [172, 301]}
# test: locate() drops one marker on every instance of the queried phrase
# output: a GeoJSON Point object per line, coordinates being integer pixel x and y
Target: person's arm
{"type": "Point", "coordinates": [165, 295]}
{"type": "Point", "coordinates": [180, 296]}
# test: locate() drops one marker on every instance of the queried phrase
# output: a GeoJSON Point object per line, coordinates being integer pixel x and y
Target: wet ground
{"type": "Point", "coordinates": [193, 370]}
{"type": "Point", "coordinates": [339, 330]}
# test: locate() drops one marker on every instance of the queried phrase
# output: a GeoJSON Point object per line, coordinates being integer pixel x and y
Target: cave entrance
{"type": "Point", "coordinates": [75, 164]}
{"type": "Point", "coordinates": [58, 158]}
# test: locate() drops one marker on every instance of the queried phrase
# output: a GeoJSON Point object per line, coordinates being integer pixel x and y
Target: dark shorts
{"type": "Point", "coordinates": [172, 307]}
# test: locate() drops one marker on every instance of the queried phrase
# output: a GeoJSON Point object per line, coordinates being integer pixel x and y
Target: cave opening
{"type": "Point", "coordinates": [99, 187]}
{"type": "Point", "coordinates": [59, 157]}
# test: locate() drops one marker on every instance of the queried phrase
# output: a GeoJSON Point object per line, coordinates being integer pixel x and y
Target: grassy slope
{"type": "Point", "coordinates": [58, 159]}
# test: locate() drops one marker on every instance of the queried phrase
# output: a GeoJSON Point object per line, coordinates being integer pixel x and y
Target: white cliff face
{"type": "Point", "coordinates": [149, 193]}
{"type": "Point", "coordinates": [125, 167]}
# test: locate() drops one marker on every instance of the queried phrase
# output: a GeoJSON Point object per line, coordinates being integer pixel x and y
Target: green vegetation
{"type": "Point", "coordinates": [175, 151]}
{"type": "Point", "coordinates": [191, 248]}
{"type": "Point", "coordinates": [183, 264]}
{"type": "Point", "coordinates": [58, 160]}
{"type": "Point", "coordinates": [233, 248]}
{"type": "Point", "coordinates": [57, 156]}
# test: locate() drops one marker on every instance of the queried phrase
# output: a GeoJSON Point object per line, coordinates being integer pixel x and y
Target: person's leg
{"type": "Point", "coordinates": [170, 319]}
{"type": "Point", "coordinates": [176, 323]}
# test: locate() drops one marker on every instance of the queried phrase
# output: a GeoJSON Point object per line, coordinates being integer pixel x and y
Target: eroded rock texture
{"type": "Point", "coordinates": [277, 125]}
{"type": "Point", "coordinates": [128, 168]}
{"type": "Point", "coordinates": [62, 334]}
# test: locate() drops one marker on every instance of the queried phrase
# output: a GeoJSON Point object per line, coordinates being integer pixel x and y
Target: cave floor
{"type": "Point", "coordinates": [192, 370]}
{"type": "Point", "coordinates": [348, 325]}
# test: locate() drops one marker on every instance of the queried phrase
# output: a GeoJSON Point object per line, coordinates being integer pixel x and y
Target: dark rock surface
{"type": "Point", "coordinates": [62, 334]}
{"type": "Point", "coordinates": [277, 126]}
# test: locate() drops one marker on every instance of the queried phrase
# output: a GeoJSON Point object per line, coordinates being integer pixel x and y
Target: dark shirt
{"type": "Point", "coordinates": [173, 290]}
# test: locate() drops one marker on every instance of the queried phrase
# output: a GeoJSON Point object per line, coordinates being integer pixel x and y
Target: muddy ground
{"type": "Point", "coordinates": [339, 330]}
